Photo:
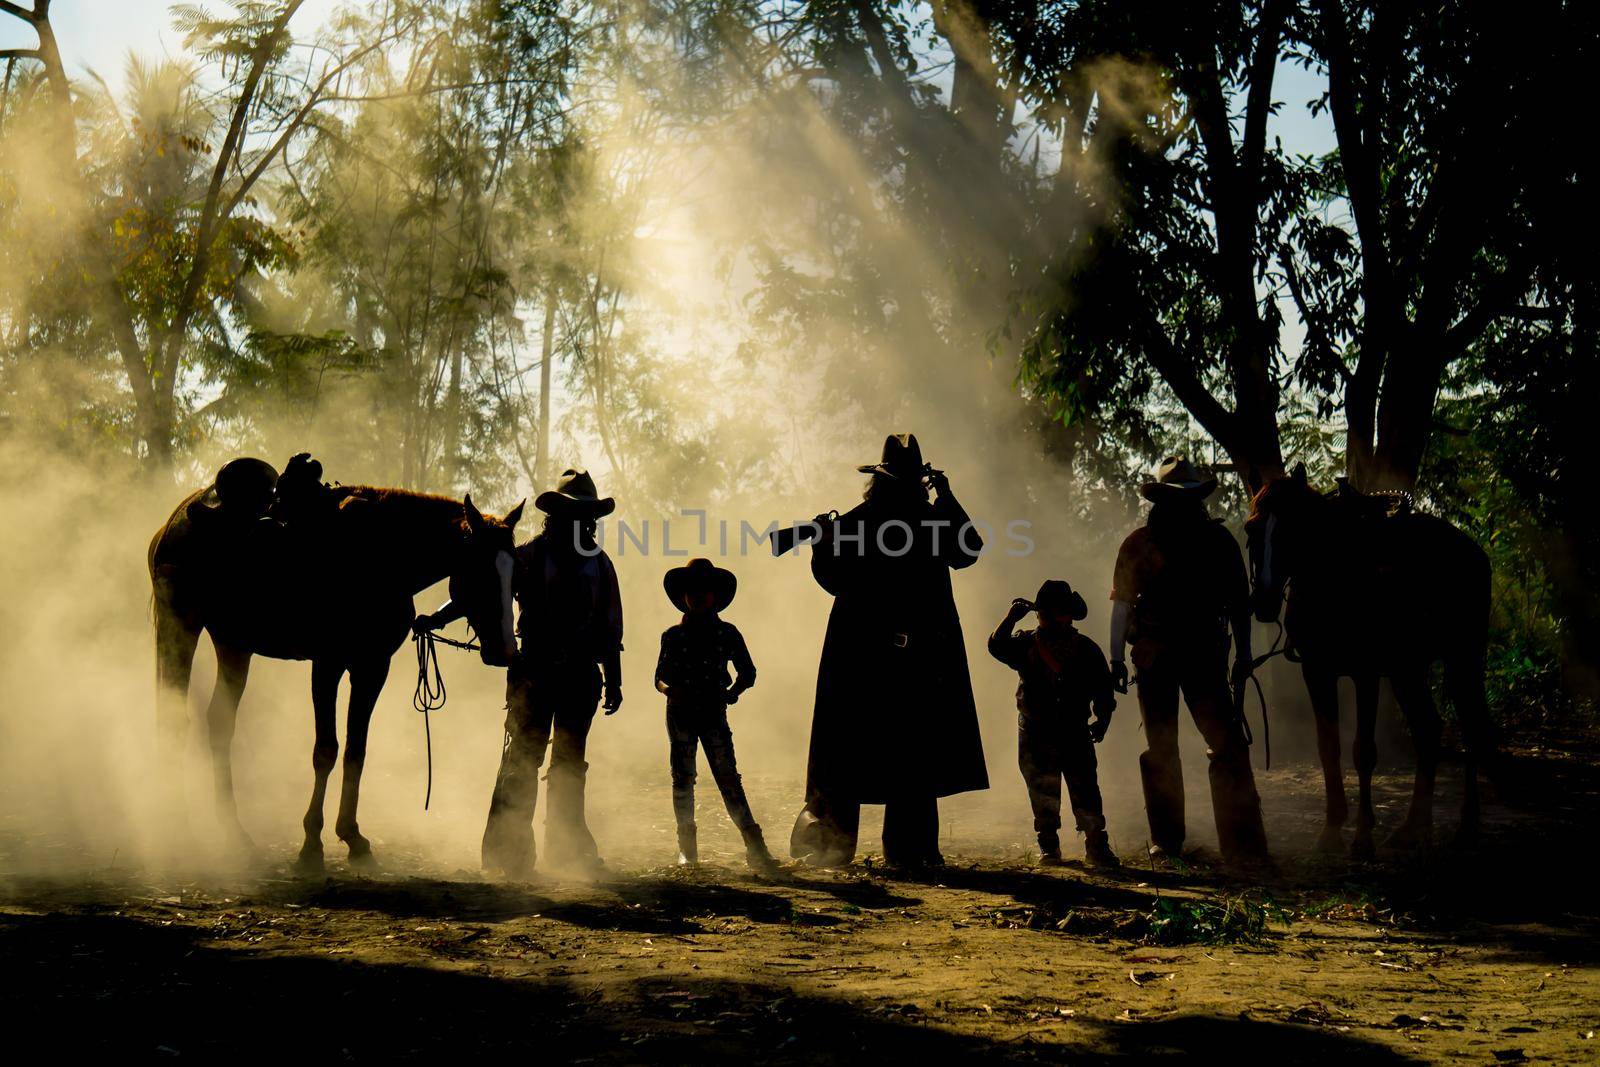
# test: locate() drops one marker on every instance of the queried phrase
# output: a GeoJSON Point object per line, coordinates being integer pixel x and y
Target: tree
{"type": "Point", "coordinates": [273, 89]}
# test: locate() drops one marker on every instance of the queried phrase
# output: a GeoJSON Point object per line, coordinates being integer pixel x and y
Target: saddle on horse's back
{"type": "Point", "coordinates": [1380, 505]}
{"type": "Point", "coordinates": [249, 490]}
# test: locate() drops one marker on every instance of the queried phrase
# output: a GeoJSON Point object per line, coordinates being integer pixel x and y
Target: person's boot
{"type": "Point", "coordinates": [1163, 805]}
{"type": "Point", "coordinates": [1097, 849]}
{"type": "Point", "coordinates": [567, 841]}
{"type": "Point", "coordinates": [755, 852]}
{"type": "Point", "coordinates": [688, 845]}
{"type": "Point", "coordinates": [508, 848]}
{"type": "Point", "coordinates": [1050, 849]}
{"type": "Point", "coordinates": [1237, 808]}
{"type": "Point", "coordinates": [683, 815]}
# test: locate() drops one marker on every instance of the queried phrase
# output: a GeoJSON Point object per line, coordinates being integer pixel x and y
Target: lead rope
{"type": "Point", "coordinates": [1279, 648]}
{"type": "Point", "coordinates": [430, 695]}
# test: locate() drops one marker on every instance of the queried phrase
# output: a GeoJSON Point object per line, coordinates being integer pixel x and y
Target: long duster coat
{"type": "Point", "coordinates": [894, 717]}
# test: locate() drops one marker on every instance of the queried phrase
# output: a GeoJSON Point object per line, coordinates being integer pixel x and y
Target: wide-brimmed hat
{"type": "Point", "coordinates": [1055, 595]}
{"type": "Point", "coordinates": [1177, 477]}
{"type": "Point", "coordinates": [902, 458]}
{"type": "Point", "coordinates": [575, 494]}
{"type": "Point", "coordinates": [700, 573]}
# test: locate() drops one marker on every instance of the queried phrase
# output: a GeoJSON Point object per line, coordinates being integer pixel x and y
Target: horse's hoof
{"type": "Point", "coordinates": [1331, 843]}
{"type": "Point", "coordinates": [1362, 848]}
{"type": "Point", "coordinates": [309, 863]}
{"type": "Point", "coordinates": [361, 857]}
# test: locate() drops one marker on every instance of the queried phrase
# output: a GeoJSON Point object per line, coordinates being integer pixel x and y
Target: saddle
{"type": "Point", "coordinates": [249, 491]}
{"type": "Point", "coordinates": [1385, 504]}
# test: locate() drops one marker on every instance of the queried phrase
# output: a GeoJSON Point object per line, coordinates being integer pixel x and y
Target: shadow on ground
{"type": "Point", "coordinates": [103, 983]}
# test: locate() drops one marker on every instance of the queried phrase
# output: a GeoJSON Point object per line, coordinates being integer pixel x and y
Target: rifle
{"type": "Point", "coordinates": [801, 533]}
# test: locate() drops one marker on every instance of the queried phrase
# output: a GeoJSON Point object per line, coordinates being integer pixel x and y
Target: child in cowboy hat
{"type": "Point", "coordinates": [693, 673]}
{"type": "Point", "coordinates": [1064, 677]}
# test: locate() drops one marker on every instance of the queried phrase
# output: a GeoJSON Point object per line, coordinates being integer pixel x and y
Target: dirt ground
{"type": "Point", "coordinates": [1486, 954]}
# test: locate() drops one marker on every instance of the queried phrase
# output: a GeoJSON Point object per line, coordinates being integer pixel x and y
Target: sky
{"type": "Point", "coordinates": [97, 35]}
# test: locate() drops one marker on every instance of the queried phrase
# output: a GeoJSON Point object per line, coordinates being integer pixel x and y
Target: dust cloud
{"type": "Point", "coordinates": [784, 419]}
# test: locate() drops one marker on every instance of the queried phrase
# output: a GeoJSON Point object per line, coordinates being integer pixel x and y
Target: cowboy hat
{"type": "Point", "coordinates": [1057, 596]}
{"type": "Point", "coordinates": [575, 493]}
{"type": "Point", "coordinates": [699, 573]}
{"type": "Point", "coordinates": [1177, 477]}
{"type": "Point", "coordinates": [902, 458]}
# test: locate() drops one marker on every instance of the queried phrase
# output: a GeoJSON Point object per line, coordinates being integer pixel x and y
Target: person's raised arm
{"type": "Point", "coordinates": [1002, 643]}
{"type": "Point", "coordinates": [959, 542]}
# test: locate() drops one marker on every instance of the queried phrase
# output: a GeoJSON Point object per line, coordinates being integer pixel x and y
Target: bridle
{"type": "Point", "coordinates": [429, 695]}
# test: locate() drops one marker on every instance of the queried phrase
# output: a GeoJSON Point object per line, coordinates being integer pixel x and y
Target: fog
{"type": "Point", "coordinates": [755, 422]}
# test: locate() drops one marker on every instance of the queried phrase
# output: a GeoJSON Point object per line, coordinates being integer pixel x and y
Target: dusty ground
{"type": "Point", "coordinates": [1482, 955]}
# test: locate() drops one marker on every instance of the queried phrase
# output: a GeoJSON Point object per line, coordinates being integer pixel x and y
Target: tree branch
{"type": "Point", "coordinates": [21, 53]}
{"type": "Point", "coordinates": [8, 8]}
{"type": "Point", "coordinates": [1258, 104]}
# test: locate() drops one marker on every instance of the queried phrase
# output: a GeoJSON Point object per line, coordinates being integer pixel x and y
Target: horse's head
{"type": "Point", "coordinates": [480, 581]}
{"type": "Point", "coordinates": [1275, 533]}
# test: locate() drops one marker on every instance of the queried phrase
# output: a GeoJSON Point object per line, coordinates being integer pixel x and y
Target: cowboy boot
{"type": "Point", "coordinates": [1049, 848]}
{"type": "Point", "coordinates": [683, 813]}
{"type": "Point", "coordinates": [1097, 849]}
{"type": "Point", "coordinates": [566, 835]}
{"type": "Point", "coordinates": [755, 851]}
{"type": "Point", "coordinates": [1163, 805]}
{"type": "Point", "coordinates": [508, 847]}
{"type": "Point", "coordinates": [1237, 808]}
{"type": "Point", "coordinates": [688, 845]}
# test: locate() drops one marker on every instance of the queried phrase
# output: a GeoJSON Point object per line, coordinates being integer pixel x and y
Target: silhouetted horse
{"type": "Point", "coordinates": [1373, 595]}
{"type": "Point", "coordinates": [333, 586]}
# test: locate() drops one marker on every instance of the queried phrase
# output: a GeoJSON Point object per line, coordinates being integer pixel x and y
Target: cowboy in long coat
{"type": "Point", "coordinates": [895, 722]}
{"type": "Point", "coordinates": [1179, 586]}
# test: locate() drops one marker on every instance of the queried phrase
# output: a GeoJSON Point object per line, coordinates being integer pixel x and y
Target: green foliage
{"type": "Point", "coordinates": [1241, 919]}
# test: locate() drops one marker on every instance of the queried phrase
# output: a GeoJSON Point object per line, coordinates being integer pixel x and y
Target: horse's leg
{"type": "Point", "coordinates": [1411, 690]}
{"type": "Point", "coordinates": [325, 677]}
{"type": "Point", "coordinates": [1365, 755]}
{"type": "Point", "coordinates": [1463, 683]}
{"type": "Point", "coordinates": [1323, 687]}
{"type": "Point", "coordinates": [233, 670]}
{"type": "Point", "coordinates": [176, 639]}
{"type": "Point", "coordinates": [366, 682]}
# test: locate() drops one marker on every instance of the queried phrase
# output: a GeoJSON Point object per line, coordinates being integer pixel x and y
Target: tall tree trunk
{"type": "Point", "coordinates": [541, 451]}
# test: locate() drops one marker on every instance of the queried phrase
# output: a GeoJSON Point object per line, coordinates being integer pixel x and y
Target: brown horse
{"type": "Point", "coordinates": [334, 586]}
{"type": "Point", "coordinates": [1373, 595]}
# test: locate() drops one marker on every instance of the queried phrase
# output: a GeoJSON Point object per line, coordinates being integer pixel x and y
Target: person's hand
{"type": "Point", "coordinates": [1098, 728]}
{"type": "Point", "coordinates": [1019, 607]}
{"type": "Point", "coordinates": [423, 624]}
{"type": "Point", "coordinates": [731, 696]}
{"type": "Point", "coordinates": [613, 699]}
{"type": "Point", "coordinates": [1119, 676]}
{"type": "Point", "coordinates": [938, 482]}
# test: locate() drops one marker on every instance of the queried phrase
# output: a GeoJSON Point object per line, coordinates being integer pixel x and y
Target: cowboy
{"type": "Point", "coordinates": [1063, 677]}
{"type": "Point", "coordinates": [895, 722]}
{"type": "Point", "coordinates": [569, 626]}
{"type": "Point", "coordinates": [1179, 583]}
{"type": "Point", "coordinates": [692, 671]}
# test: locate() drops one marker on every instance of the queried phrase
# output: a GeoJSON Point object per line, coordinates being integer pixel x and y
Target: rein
{"type": "Point", "coordinates": [1279, 648]}
{"type": "Point", "coordinates": [429, 694]}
